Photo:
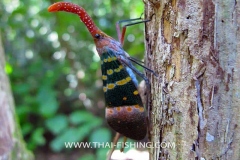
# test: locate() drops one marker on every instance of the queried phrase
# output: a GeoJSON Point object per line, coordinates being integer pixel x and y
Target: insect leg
{"type": "Point", "coordinates": [123, 146]}
{"type": "Point", "coordinates": [115, 140]}
{"type": "Point", "coordinates": [135, 60]}
{"type": "Point", "coordinates": [122, 34]}
{"type": "Point", "coordinates": [140, 64]}
{"type": "Point", "coordinates": [128, 64]}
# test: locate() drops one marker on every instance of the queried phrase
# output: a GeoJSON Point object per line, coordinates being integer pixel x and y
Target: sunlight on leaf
{"type": "Point", "coordinates": [8, 68]}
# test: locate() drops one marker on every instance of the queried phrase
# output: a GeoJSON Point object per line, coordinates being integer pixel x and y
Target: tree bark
{"type": "Point", "coordinates": [194, 46]}
{"type": "Point", "coordinates": [12, 145]}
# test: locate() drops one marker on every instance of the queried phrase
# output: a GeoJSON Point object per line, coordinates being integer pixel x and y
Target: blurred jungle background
{"type": "Point", "coordinates": [55, 72]}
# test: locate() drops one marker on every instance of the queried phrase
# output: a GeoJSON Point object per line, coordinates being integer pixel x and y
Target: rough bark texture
{"type": "Point", "coordinates": [194, 46]}
{"type": "Point", "coordinates": [12, 146]}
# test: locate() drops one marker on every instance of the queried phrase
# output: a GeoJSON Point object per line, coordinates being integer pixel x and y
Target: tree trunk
{"type": "Point", "coordinates": [12, 146]}
{"type": "Point", "coordinates": [194, 46]}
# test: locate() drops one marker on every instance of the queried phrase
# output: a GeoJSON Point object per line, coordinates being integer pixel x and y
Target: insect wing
{"type": "Point", "coordinates": [124, 109]}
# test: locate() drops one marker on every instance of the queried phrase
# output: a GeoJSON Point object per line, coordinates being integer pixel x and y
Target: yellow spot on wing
{"type": "Point", "coordinates": [109, 71]}
{"type": "Point", "coordinates": [104, 77]}
{"type": "Point", "coordinates": [118, 69]}
{"type": "Point", "coordinates": [135, 92]}
{"type": "Point", "coordinates": [104, 89]}
{"type": "Point", "coordinates": [123, 81]}
{"type": "Point", "coordinates": [124, 98]}
{"type": "Point", "coordinates": [137, 106]}
{"type": "Point", "coordinates": [110, 59]}
{"type": "Point", "coordinates": [110, 85]}
{"type": "Point", "coordinates": [128, 79]}
{"type": "Point", "coordinates": [141, 109]}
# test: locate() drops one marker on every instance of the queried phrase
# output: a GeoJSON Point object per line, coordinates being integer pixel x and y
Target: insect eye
{"type": "Point", "coordinates": [97, 36]}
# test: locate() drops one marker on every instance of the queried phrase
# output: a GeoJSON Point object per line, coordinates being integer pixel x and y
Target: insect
{"type": "Point", "coordinates": [124, 111]}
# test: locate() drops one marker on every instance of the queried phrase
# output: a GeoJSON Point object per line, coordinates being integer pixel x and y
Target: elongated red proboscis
{"type": "Point", "coordinates": [73, 8]}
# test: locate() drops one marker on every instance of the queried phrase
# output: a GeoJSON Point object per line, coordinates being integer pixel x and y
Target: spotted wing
{"type": "Point", "coordinates": [118, 85]}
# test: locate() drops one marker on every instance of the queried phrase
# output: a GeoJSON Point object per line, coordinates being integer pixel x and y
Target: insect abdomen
{"type": "Point", "coordinates": [124, 109]}
{"type": "Point", "coordinates": [128, 120]}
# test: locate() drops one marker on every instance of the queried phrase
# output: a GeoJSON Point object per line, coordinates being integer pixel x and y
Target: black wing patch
{"type": "Point", "coordinates": [118, 85]}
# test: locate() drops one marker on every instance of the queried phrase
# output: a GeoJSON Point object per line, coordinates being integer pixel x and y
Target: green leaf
{"type": "Point", "coordinates": [47, 100]}
{"type": "Point", "coordinates": [22, 88]}
{"type": "Point", "coordinates": [84, 130]}
{"type": "Point", "coordinates": [102, 153]}
{"type": "Point", "coordinates": [101, 135]}
{"type": "Point", "coordinates": [38, 137]}
{"type": "Point", "coordinates": [73, 135]}
{"type": "Point", "coordinates": [87, 157]}
{"type": "Point", "coordinates": [27, 128]}
{"type": "Point", "coordinates": [69, 135]}
{"type": "Point", "coordinates": [96, 122]}
{"type": "Point", "coordinates": [80, 117]}
{"type": "Point", "coordinates": [8, 68]}
{"type": "Point", "coordinates": [23, 111]}
{"type": "Point", "coordinates": [57, 124]}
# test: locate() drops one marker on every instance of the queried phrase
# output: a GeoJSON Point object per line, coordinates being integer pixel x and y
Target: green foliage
{"type": "Point", "coordinates": [101, 153]}
{"type": "Point", "coordinates": [55, 72]}
{"type": "Point", "coordinates": [47, 101]}
{"type": "Point", "coordinates": [78, 117]}
{"type": "Point", "coordinates": [37, 138]}
{"type": "Point", "coordinates": [101, 135]}
{"type": "Point", "coordinates": [87, 157]}
{"type": "Point", "coordinates": [60, 120]}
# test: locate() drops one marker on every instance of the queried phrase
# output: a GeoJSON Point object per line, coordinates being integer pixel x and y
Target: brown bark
{"type": "Point", "coordinates": [12, 146]}
{"type": "Point", "coordinates": [194, 46]}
